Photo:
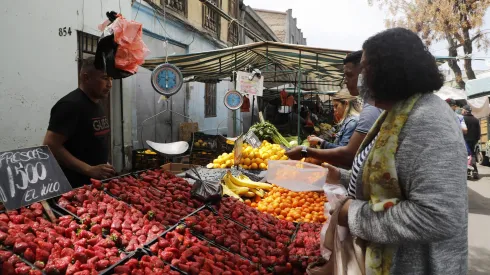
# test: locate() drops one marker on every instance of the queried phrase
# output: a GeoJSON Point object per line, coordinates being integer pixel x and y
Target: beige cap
{"type": "Point", "coordinates": [343, 94]}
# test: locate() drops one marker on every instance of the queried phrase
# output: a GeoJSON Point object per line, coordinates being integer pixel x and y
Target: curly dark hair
{"type": "Point", "coordinates": [398, 65]}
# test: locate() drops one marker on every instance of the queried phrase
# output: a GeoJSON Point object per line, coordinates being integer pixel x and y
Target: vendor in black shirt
{"type": "Point", "coordinates": [79, 129]}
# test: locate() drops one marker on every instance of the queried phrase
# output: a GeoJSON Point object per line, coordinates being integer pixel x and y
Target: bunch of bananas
{"type": "Point", "coordinates": [242, 186]}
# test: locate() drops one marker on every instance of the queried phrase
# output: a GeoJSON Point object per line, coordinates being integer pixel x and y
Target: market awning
{"type": "Point", "coordinates": [478, 87]}
{"type": "Point", "coordinates": [322, 69]}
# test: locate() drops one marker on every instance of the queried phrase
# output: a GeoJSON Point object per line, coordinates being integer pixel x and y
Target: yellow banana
{"type": "Point", "coordinates": [249, 194]}
{"type": "Point", "coordinates": [248, 183]}
{"type": "Point", "coordinates": [258, 192]}
{"type": "Point", "coordinates": [227, 191]}
{"type": "Point", "coordinates": [240, 190]}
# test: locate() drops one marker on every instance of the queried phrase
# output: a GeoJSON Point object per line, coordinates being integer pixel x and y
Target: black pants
{"type": "Point", "coordinates": [472, 145]}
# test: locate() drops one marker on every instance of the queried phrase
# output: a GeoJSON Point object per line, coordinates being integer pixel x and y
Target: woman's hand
{"type": "Point", "coordinates": [343, 214]}
{"type": "Point", "coordinates": [314, 140]}
{"type": "Point", "coordinates": [333, 176]}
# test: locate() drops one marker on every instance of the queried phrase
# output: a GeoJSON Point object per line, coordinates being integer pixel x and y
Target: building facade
{"type": "Point", "coordinates": [284, 25]}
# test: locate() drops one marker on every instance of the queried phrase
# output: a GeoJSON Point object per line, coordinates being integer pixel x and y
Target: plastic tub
{"type": "Point", "coordinates": [296, 176]}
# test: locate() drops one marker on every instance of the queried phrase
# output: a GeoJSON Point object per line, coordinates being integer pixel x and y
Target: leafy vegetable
{"type": "Point", "coordinates": [267, 131]}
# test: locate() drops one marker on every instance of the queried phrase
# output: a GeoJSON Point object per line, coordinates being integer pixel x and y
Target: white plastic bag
{"type": "Point", "coordinates": [334, 194]}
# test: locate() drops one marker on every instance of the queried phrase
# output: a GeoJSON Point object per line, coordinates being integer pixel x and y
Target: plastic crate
{"type": "Point", "coordinates": [142, 161]}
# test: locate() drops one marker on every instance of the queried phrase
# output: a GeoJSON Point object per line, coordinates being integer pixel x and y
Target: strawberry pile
{"type": "Point", "coordinates": [148, 265]}
{"type": "Point", "coordinates": [197, 257]}
{"type": "Point", "coordinates": [11, 264]}
{"type": "Point", "coordinates": [237, 239]}
{"type": "Point", "coordinates": [166, 201]}
{"type": "Point", "coordinates": [267, 225]}
{"type": "Point", "coordinates": [65, 247]}
{"type": "Point", "coordinates": [127, 227]}
{"type": "Point", "coordinates": [306, 246]}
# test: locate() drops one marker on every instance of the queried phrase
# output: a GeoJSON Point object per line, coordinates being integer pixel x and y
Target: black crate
{"type": "Point", "coordinates": [141, 161]}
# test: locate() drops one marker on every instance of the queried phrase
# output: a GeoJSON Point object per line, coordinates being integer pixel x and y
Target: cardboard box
{"type": "Point", "coordinates": [176, 168]}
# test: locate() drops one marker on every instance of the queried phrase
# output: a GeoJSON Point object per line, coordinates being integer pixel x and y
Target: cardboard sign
{"type": "Point", "coordinates": [30, 175]}
{"type": "Point", "coordinates": [247, 86]}
{"type": "Point", "coordinates": [252, 139]}
{"type": "Point", "coordinates": [238, 150]}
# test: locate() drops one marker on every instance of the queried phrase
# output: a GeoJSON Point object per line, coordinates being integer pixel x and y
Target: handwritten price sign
{"type": "Point", "coordinates": [30, 175]}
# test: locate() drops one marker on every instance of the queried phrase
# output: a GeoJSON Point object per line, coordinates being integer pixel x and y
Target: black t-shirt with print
{"type": "Point", "coordinates": [87, 129]}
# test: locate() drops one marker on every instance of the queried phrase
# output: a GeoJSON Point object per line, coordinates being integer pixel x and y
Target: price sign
{"type": "Point", "coordinates": [252, 139]}
{"type": "Point", "coordinates": [238, 150]}
{"type": "Point", "coordinates": [30, 175]}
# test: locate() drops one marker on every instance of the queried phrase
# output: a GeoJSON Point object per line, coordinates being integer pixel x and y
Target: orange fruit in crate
{"type": "Point", "coordinates": [293, 206]}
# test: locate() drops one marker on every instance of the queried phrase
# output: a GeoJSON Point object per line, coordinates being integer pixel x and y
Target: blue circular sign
{"type": "Point", "coordinates": [233, 100]}
{"type": "Point", "coordinates": [167, 79]}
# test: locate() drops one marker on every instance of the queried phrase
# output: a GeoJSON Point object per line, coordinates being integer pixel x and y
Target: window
{"type": "Point", "coordinates": [87, 46]}
{"type": "Point", "coordinates": [210, 100]}
{"type": "Point", "coordinates": [233, 29]}
{"type": "Point", "coordinates": [292, 40]}
{"type": "Point", "coordinates": [180, 6]}
{"type": "Point", "coordinates": [210, 18]}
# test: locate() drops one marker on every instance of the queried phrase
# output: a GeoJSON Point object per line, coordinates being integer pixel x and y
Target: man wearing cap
{"type": "Point", "coordinates": [472, 137]}
{"type": "Point", "coordinates": [459, 118]}
{"type": "Point", "coordinates": [344, 156]}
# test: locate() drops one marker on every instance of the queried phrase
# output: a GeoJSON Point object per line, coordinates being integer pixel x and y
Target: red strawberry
{"type": "Point", "coordinates": [5, 255]}
{"type": "Point", "coordinates": [20, 247]}
{"type": "Point", "coordinates": [29, 255]}
{"type": "Point", "coordinates": [42, 255]}
{"type": "Point", "coordinates": [39, 264]}
{"type": "Point", "coordinates": [102, 264]}
{"type": "Point", "coordinates": [23, 270]}
{"type": "Point", "coordinates": [122, 269]}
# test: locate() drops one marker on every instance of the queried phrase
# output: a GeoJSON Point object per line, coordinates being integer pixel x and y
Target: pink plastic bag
{"type": "Point", "coordinates": [131, 51]}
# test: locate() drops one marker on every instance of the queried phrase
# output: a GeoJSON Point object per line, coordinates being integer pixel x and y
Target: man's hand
{"type": "Point", "coordinates": [314, 140]}
{"type": "Point", "coordinates": [333, 176]}
{"type": "Point", "coordinates": [295, 153]}
{"type": "Point", "coordinates": [101, 171]}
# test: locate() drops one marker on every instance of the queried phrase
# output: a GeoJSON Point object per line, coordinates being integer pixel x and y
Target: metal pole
{"type": "Point", "coordinates": [253, 108]}
{"type": "Point", "coordinates": [299, 105]}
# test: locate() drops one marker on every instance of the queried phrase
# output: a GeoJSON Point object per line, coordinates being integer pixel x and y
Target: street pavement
{"type": "Point", "coordinates": [479, 223]}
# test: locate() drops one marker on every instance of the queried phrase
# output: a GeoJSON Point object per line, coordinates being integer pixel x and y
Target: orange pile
{"type": "Point", "coordinates": [293, 206]}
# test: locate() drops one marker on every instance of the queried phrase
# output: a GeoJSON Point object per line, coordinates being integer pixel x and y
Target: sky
{"type": "Point", "coordinates": [344, 24]}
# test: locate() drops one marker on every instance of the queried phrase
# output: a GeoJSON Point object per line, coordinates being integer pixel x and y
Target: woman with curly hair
{"type": "Point", "coordinates": [409, 191]}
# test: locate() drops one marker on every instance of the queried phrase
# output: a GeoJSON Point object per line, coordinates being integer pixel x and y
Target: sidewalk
{"type": "Point", "coordinates": [479, 223]}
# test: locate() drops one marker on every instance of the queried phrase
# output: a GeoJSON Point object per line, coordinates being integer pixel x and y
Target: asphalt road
{"type": "Point", "coordinates": [479, 223]}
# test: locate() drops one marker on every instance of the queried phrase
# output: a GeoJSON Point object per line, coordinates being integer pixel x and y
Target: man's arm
{"type": "Point", "coordinates": [55, 142]}
{"type": "Point", "coordinates": [340, 156]}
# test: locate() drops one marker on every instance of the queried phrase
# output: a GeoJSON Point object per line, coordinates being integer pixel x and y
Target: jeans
{"type": "Point", "coordinates": [471, 144]}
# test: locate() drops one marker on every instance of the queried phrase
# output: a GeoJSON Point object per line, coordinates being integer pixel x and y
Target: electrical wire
{"type": "Point", "coordinates": [137, 11]}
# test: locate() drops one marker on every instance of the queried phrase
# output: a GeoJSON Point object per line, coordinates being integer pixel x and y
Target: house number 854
{"type": "Point", "coordinates": [64, 31]}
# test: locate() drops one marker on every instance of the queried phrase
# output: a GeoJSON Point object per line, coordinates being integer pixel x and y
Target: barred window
{"type": "Point", "coordinates": [210, 18]}
{"type": "Point", "coordinates": [233, 29]}
{"type": "Point", "coordinates": [180, 6]}
{"type": "Point", "coordinates": [210, 100]}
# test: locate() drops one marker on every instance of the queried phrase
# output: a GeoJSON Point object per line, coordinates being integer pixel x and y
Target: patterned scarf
{"type": "Point", "coordinates": [380, 181]}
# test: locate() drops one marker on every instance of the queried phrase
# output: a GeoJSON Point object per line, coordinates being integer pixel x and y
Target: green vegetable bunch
{"type": "Point", "coordinates": [269, 132]}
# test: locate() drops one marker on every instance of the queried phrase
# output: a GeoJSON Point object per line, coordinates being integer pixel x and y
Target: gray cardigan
{"type": "Point", "coordinates": [430, 225]}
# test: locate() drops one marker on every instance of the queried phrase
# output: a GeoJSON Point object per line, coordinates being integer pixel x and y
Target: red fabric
{"type": "Point", "coordinates": [290, 101]}
{"type": "Point", "coordinates": [284, 97]}
{"type": "Point", "coordinates": [246, 105]}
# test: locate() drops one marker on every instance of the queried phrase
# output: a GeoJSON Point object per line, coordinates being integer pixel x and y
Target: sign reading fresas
{"type": "Point", "coordinates": [255, 86]}
{"type": "Point", "coordinates": [252, 139]}
{"type": "Point", "coordinates": [238, 150]}
{"type": "Point", "coordinates": [30, 175]}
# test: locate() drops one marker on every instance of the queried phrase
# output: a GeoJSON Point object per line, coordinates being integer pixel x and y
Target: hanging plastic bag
{"type": "Point", "coordinates": [335, 194]}
{"type": "Point", "coordinates": [131, 51]}
{"type": "Point", "coordinates": [121, 49]}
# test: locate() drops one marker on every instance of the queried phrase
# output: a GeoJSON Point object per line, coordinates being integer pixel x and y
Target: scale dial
{"type": "Point", "coordinates": [233, 100]}
{"type": "Point", "coordinates": [166, 79]}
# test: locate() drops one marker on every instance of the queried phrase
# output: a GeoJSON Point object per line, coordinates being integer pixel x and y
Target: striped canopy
{"type": "Point", "coordinates": [321, 68]}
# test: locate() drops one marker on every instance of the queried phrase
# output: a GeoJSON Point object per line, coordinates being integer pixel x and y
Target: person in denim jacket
{"type": "Point", "coordinates": [346, 112]}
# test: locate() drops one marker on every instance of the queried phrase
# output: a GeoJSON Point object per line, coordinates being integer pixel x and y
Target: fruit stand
{"type": "Point", "coordinates": [148, 223]}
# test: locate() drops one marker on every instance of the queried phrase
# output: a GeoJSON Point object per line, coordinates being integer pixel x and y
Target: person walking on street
{"type": "Point", "coordinates": [473, 134]}
{"type": "Point", "coordinates": [79, 130]}
{"type": "Point", "coordinates": [460, 119]}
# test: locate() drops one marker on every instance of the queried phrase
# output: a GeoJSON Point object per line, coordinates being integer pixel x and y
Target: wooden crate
{"type": "Point", "coordinates": [484, 130]}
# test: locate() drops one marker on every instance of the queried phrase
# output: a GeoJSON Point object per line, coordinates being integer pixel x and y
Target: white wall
{"type": "Point", "coordinates": [38, 66]}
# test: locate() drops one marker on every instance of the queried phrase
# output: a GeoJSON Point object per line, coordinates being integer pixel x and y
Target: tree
{"type": "Point", "coordinates": [458, 22]}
